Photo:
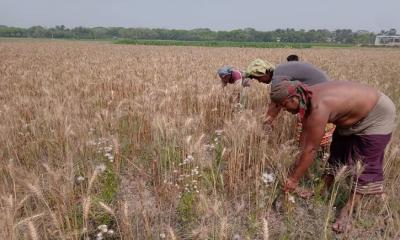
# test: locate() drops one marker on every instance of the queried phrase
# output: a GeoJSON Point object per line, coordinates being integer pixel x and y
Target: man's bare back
{"type": "Point", "coordinates": [365, 119]}
{"type": "Point", "coordinates": [345, 102]}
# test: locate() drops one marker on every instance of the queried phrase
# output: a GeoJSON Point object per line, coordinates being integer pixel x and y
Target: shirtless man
{"type": "Point", "coordinates": [364, 119]}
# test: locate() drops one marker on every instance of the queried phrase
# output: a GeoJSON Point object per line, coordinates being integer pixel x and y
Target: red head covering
{"type": "Point", "coordinates": [286, 89]}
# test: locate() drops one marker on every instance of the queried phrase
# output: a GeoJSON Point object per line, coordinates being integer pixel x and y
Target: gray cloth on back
{"type": "Point", "coordinates": [300, 71]}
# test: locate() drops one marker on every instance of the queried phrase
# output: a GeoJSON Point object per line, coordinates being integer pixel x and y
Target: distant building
{"type": "Point", "coordinates": [387, 40]}
{"type": "Point", "coordinates": [362, 32]}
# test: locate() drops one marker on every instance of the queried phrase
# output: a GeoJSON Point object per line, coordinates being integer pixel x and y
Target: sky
{"type": "Point", "coordinates": [262, 15]}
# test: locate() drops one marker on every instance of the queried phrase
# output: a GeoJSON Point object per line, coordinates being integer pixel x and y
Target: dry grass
{"type": "Point", "coordinates": [144, 140]}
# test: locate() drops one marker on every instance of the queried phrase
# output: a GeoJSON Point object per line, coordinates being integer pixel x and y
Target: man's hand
{"type": "Point", "coordinates": [304, 193]}
{"type": "Point", "coordinates": [268, 120]}
{"type": "Point", "coordinates": [267, 129]}
{"type": "Point", "coordinates": [267, 125]}
{"type": "Point", "coordinates": [290, 185]}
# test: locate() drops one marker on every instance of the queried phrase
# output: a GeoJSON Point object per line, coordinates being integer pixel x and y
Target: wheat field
{"type": "Point", "coordinates": [103, 141]}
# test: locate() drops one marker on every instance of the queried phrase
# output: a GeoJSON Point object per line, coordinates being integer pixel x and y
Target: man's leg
{"type": "Point", "coordinates": [339, 153]}
{"type": "Point", "coordinates": [344, 217]}
{"type": "Point", "coordinates": [370, 149]}
{"type": "Point", "coordinates": [328, 179]}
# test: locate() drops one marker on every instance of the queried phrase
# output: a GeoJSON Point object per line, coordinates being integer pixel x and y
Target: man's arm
{"type": "Point", "coordinates": [272, 112]}
{"type": "Point", "coordinates": [273, 108]}
{"type": "Point", "coordinates": [245, 82]}
{"type": "Point", "coordinates": [313, 131]}
{"type": "Point", "coordinates": [302, 137]}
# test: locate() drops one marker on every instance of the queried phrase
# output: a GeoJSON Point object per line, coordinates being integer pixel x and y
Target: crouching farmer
{"type": "Point", "coordinates": [231, 75]}
{"type": "Point", "coordinates": [364, 119]}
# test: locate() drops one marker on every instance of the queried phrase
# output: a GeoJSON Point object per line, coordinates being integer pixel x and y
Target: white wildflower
{"type": "Point", "coordinates": [239, 106]}
{"type": "Point", "coordinates": [80, 179]}
{"type": "Point", "coordinates": [268, 178]}
{"type": "Point", "coordinates": [109, 156]}
{"type": "Point", "coordinates": [108, 149]}
{"type": "Point", "coordinates": [101, 167]}
{"type": "Point", "coordinates": [209, 147]}
{"type": "Point", "coordinates": [99, 236]}
{"type": "Point", "coordinates": [162, 235]}
{"type": "Point", "coordinates": [291, 199]}
{"type": "Point", "coordinates": [110, 232]}
{"type": "Point", "coordinates": [219, 132]}
{"type": "Point", "coordinates": [187, 160]}
{"type": "Point", "coordinates": [194, 172]}
{"type": "Point", "coordinates": [101, 141]}
{"type": "Point", "coordinates": [102, 228]}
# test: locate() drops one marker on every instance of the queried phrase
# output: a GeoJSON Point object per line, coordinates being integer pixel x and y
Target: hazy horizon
{"type": "Point", "coordinates": [222, 15]}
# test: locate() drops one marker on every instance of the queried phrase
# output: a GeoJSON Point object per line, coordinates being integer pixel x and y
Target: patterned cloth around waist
{"type": "Point", "coordinates": [326, 139]}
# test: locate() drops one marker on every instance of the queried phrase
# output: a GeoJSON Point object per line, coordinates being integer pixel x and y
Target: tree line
{"type": "Point", "coordinates": [201, 34]}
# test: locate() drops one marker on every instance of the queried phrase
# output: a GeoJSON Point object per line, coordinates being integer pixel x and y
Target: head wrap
{"type": "Point", "coordinates": [236, 75]}
{"type": "Point", "coordinates": [259, 67]}
{"type": "Point", "coordinates": [225, 70]}
{"type": "Point", "coordinates": [286, 89]}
